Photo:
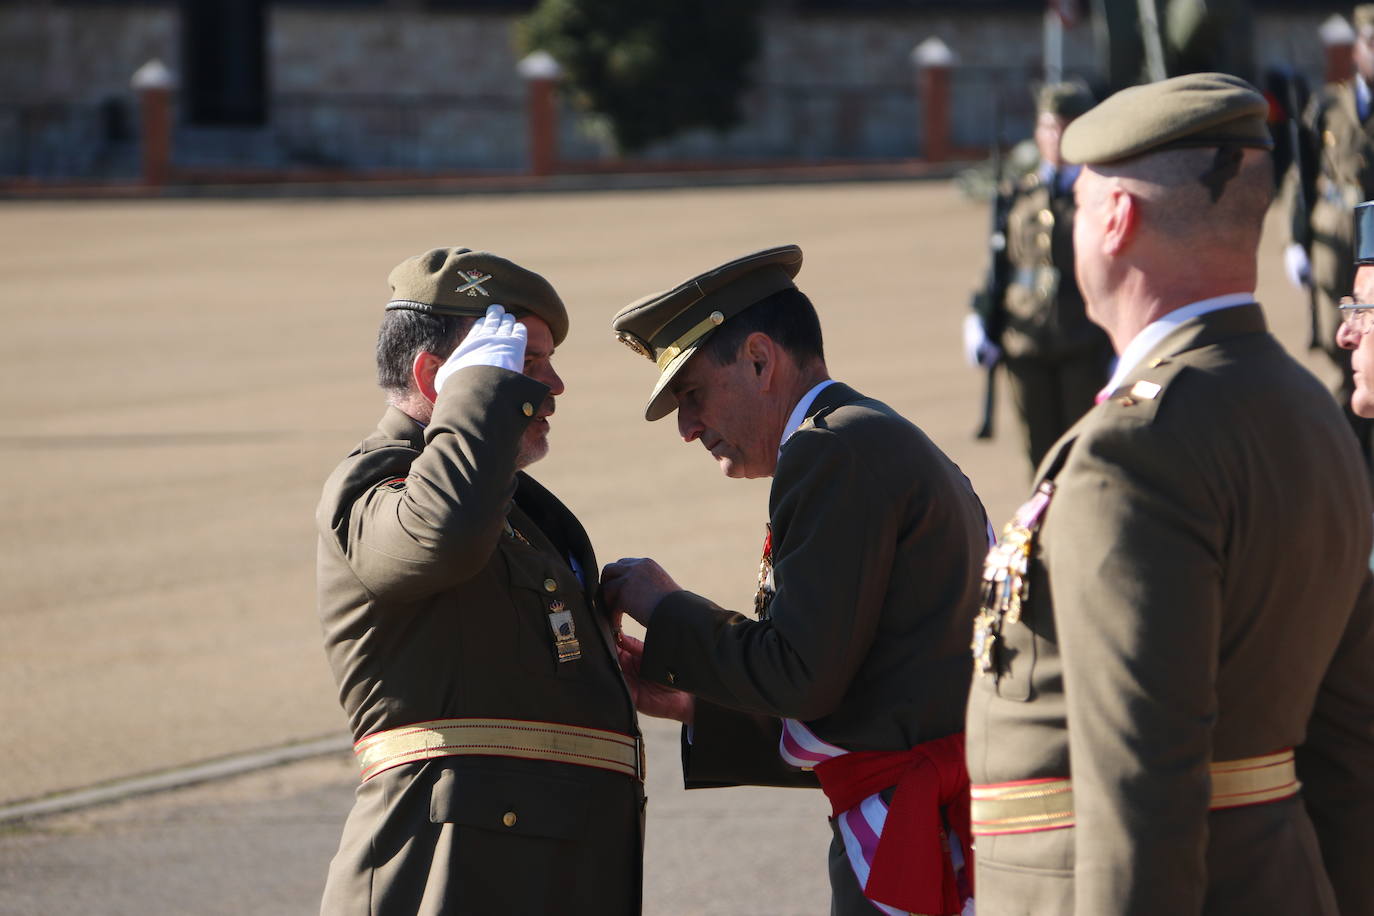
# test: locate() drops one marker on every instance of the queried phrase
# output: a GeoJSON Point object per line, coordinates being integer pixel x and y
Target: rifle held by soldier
{"type": "Point", "coordinates": [987, 301]}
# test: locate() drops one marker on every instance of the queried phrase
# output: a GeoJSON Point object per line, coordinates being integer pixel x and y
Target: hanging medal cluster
{"type": "Point", "coordinates": [764, 596]}
{"type": "Point", "coordinates": [1006, 579]}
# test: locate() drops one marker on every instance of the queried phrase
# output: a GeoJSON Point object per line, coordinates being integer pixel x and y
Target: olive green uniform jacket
{"type": "Point", "coordinates": [877, 542]}
{"type": "Point", "coordinates": [1056, 358]}
{"type": "Point", "coordinates": [1198, 592]}
{"type": "Point", "coordinates": [438, 566]}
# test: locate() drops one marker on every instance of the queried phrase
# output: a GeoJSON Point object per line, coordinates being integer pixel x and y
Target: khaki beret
{"type": "Point", "coordinates": [1364, 232]}
{"type": "Point", "coordinates": [1066, 100]}
{"type": "Point", "coordinates": [1363, 17]}
{"type": "Point", "coordinates": [1195, 110]}
{"type": "Point", "coordinates": [460, 281]}
{"type": "Point", "coordinates": [668, 327]}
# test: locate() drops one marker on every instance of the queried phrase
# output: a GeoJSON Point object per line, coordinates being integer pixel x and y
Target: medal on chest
{"type": "Point", "coordinates": [1006, 579]}
{"type": "Point", "coordinates": [564, 632]}
{"type": "Point", "coordinates": [764, 596]}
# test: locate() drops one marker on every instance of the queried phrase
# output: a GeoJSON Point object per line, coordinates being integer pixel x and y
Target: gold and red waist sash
{"type": "Point", "coordinates": [1032, 805]}
{"type": "Point", "coordinates": [553, 741]}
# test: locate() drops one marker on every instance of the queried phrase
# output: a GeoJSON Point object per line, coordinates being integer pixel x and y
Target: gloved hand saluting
{"type": "Point", "coordinates": [495, 340]}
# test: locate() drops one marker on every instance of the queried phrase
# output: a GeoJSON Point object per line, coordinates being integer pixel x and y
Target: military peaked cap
{"type": "Point", "coordinates": [1196, 110]}
{"type": "Point", "coordinates": [460, 281]}
{"type": "Point", "coordinates": [668, 327]}
{"type": "Point", "coordinates": [1364, 232]}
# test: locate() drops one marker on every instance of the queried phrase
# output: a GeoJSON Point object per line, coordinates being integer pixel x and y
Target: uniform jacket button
{"type": "Point", "coordinates": [527, 409]}
{"type": "Point", "coordinates": [509, 818]}
{"type": "Point", "coordinates": [550, 585]}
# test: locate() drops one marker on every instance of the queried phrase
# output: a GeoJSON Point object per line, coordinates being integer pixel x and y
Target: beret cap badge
{"type": "Point", "coordinates": [475, 280]}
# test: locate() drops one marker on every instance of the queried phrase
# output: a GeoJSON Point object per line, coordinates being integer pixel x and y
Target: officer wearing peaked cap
{"type": "Point", "coordinates": [1357, 313]}
{"type": "Point", "coordinates": [1338, 127]}
{"type": "Point", "coordinates": [866, 586]}
{"type": "Point", "coordinates": [501, 760]}
{"type": "Point", "coordinates": [1173, 705]}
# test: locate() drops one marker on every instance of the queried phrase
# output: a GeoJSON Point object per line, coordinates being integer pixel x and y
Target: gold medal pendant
{"type": "Point", "coordinates": [1006, 580]}
{"type": "Point", "coordinates": [764, 596]}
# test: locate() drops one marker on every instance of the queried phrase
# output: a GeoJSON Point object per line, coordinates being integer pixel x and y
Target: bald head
{"type": "Point", "coordinates": [1198, 198]}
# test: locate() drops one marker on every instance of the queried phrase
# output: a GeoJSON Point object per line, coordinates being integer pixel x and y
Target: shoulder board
{"type": "Point", "coordinates": [1140, 397]}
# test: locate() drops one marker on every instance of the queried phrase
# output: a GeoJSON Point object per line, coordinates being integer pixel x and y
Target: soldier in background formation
{"type": "Point", "coordinates": [1173, 707]}
{"type": "Point", "coordinates": [1056, 359]}
{"type": "Point", "coordinates": [1339, 139]}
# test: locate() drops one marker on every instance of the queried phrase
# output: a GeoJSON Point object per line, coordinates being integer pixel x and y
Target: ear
{"type": "Point", "coordinates": [1122, 219]}
{"type": "Point", "coordinates": [422, 372]}
{"type": "Point", "coordinates": [762, 352]}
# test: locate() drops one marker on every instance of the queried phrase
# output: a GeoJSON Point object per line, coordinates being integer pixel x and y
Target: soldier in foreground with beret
{"type": "Point", "coordinates": [1173, 705]}
{"type": "Point", "coordinates": [854, 672]}
{"type": "Point", "coordinates": [501, 758]}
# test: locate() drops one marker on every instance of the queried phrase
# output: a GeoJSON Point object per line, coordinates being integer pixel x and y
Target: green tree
{"type": "Point", "coordinates": [651, 68]}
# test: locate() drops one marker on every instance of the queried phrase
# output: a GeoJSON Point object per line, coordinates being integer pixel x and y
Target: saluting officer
{"type": "Point", "coordinates": [1339, 128]}
{"type": "Point", "coordinates": [500, 756]}
{"type": "Point", "coordinates": [1173, 704]}
{"type": "Point", "coordinates": [853, 672]}
{"type": "Point", "coordinates": [1056, 359]}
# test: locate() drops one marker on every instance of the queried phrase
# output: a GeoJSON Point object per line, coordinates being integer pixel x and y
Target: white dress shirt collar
{"type": "Point", "coordinates": [1148, 338]}
{"type": "Point", "coordinates": [799, 412]}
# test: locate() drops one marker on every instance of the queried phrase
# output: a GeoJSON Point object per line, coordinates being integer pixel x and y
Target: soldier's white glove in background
{"type": "Point", "coordinates": [495, 340]}
{"type": "Point", "coordinates": [1297, 265]}
{"type": "Point", "coordinates": [978, 350]}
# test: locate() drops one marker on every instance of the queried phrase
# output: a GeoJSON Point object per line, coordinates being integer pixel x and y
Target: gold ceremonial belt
{"type": "Point", "coordinates": [1032, 805]}
{"type": "Point", "coordinates": [588, 747]}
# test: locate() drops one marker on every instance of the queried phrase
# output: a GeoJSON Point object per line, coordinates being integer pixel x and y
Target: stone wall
{"type": "Point", "coordinates": [390, 88]}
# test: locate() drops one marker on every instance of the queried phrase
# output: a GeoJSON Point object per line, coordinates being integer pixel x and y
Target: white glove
{"type": "Point", "coordinates": [978, 350]}
{"type": "Point", "coordinates": [1297, 266]}
{"type": "Point", "coordinates": [495, 340]}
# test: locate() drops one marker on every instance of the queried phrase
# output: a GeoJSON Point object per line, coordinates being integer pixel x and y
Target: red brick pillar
{"type": "Point", "coordinates": [155, 84]}
{"type": "Point", "coordinates": [933, 61]}
{"type": "Point", "coordinates": [541, 74]}
{"type": "Point", "coordinates": [1338, 40]}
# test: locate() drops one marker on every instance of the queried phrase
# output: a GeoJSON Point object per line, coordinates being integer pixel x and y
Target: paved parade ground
{"type": "Point", "coordinates": [178, 377]}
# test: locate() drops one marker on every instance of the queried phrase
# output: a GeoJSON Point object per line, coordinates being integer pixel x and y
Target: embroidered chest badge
{"type": "Point", "coordinates": [764, 596]}
{"type": "Point", "coordinates": [1006, 580]}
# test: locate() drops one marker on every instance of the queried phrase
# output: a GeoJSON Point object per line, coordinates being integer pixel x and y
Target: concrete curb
{"type": "Point", "coordinates": [173, 779]}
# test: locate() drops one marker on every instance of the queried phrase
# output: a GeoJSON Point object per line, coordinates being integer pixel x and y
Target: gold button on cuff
{"type": "Point", "coordinates": [550, 585]}
{"type": "Point", "coordinates": [509, 818]}
{"type": "Point", "coordinates": [527, 409]}
{"type": "Point", "coordinates": [1046, 218]}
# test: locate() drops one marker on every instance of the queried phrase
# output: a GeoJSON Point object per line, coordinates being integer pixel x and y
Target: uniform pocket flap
{"type": "Point", "coordinates": [505, 802]}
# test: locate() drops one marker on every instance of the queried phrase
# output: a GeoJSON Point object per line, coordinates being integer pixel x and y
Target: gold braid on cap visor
{"type": "Point", "coordinates": [695, 333]}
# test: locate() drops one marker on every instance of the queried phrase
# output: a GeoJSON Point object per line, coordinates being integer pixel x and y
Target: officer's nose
{"type": "Point", "coordinates": [688, 426]}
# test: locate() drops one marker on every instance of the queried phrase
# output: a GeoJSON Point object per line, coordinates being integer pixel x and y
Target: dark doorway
{"type": "Point", "coordinates": [223, 62]}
